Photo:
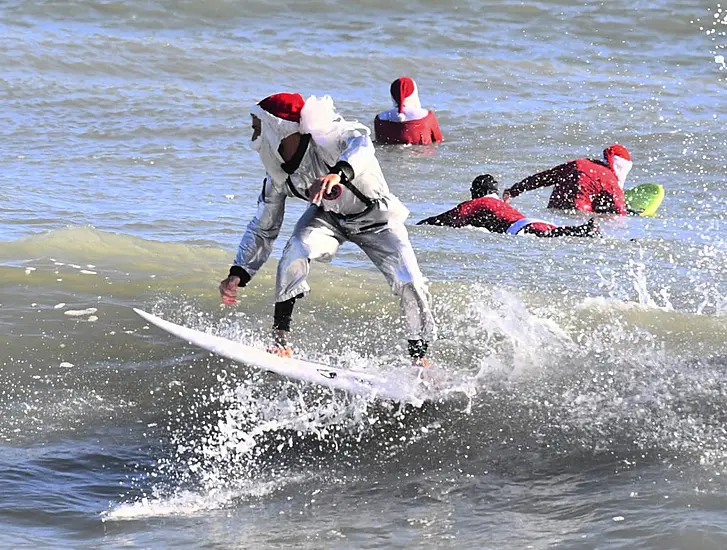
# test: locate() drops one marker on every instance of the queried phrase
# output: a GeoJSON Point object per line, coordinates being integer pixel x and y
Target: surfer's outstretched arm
{"type": "Point", "coordinates": [257, 241]}
{"type": "Point", "coordinates": [545, 178]}
{"type": "Point", "coordinates": [450, 218]}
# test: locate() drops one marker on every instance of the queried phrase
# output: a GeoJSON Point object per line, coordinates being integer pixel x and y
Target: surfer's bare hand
{"type": "Point", "coordinates": [228, 290]}
{"type": "Point", "coordinates": [324, 187]}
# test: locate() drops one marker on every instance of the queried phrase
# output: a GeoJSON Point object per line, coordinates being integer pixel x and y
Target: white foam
{"type": "Point", "coordinates": [59, 306]}
{"type": "Point", "coordinates": [600, 303]}
{"type": "Point", "coordinates": [187, 503]}
{"type": "Point", "coordinates": [66, 365]}
{"type": "Point", "coordinates": [80, 312]}
{"type": "Point", "coordinates": [29, 270]}
{"type": "Point", "coordinates": [88, 272]}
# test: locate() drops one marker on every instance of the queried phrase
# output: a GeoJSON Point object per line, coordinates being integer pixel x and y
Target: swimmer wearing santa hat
{"type": "Point", "coordinates": [407, 122]}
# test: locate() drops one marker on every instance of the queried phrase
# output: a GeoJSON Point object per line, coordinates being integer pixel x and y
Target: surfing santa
{"type": "Point", "coordinates": [311, 153]}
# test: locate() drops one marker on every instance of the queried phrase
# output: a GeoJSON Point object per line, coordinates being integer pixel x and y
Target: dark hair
{"type": "Point", "coordinates": [483, 185]}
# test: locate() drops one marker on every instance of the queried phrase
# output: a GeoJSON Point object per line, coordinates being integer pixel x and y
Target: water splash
{"type": "Point", "coordinates": [568, 379]}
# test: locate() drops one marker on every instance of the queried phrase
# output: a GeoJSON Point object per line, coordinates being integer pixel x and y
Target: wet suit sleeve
{"type": "Point", "coordinates": [450, 218]}
{"type": "Point", "coordinates": [542, 179]}
{"type": "Point", "coordinates": [257, 242]}
{"type": "Point", "coordinates": [611, 201]}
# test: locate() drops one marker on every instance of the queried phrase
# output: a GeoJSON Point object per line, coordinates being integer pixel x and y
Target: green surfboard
{"type": "Point", "coordinates": [645, 198]}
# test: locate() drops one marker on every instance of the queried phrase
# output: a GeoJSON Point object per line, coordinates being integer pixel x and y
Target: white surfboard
{"type": "Point", "coordinates": [397, 387]}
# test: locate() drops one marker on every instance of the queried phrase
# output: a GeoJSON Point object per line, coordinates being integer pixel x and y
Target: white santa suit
{"type": "Point", "coordinates": [366, 212]}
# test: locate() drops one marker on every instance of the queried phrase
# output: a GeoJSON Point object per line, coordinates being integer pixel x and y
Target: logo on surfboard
{"type": "Point", "coordinates": [327, 373]}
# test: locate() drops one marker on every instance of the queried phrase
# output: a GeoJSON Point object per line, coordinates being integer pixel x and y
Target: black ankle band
{"type": "Point", "coordinates": [283, 314]}
{"type": "Point", "coordinates": [418, 348]}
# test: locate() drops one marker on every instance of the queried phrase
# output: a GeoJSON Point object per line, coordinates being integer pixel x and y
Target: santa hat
{"type": "Point", "coordinates": [619, 159]}
{"type": "Point", "coordinates": [405, 94]}
{"type": "Point", "coordinates": [284, 105]}
{"type": "Point", "coordinates": [279, 115]}
{"type": "Point", "coordinates": [616, 150]}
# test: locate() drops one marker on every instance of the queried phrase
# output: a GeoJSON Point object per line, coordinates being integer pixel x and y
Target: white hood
{"type": "Point", "coordinates": [273, 131]}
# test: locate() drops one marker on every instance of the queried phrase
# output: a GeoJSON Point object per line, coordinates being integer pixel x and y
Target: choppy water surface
{"type": "Point", "coordinates": [595, 371]}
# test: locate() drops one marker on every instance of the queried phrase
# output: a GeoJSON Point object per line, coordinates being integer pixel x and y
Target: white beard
{"type": "Point", "coordinates": [622, 167]}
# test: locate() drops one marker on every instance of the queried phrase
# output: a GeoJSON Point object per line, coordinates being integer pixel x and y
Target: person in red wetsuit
{"type": "Point", "coordinates": [407, 122]}
{"type": "Point", "coordinates": [488, 211]}
{"type": "Point", "coordinates": [584, 184]}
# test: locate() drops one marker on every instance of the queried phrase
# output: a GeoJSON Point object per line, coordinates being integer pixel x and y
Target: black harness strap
{"type": "Point", "coordinates": [356, 191]}
{"type": "Point", "coordinates": [294, 190]}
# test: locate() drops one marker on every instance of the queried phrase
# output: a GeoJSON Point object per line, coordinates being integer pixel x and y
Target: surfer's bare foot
{"type": "Point", "coordinates": [420, 362]}
{"type": "Point", "coordinates": [280, 346]}
{"type": "Point", "coordinates": [281, 351]}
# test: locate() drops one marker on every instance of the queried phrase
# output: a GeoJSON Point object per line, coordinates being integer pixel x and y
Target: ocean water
{"type": "Point", "coordinates": [596, 370]}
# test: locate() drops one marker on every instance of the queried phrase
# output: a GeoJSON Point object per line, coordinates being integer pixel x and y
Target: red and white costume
{"type": "Point", "coordinates": [407, 122]}
{"type": "Point", "coordinates": [585, 184]}
{"type": "Point", "coordinates": [496, 216]}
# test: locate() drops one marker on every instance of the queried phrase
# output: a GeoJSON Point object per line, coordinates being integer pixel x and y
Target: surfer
{"type": "Point", "coordinates": [310, 152]}
{"type": "Point", "coordinates": [407, 122]}
{"type": "Point", "coordinates": [584, 184]}
{"type": "Point", "coordinates": [488, 211]}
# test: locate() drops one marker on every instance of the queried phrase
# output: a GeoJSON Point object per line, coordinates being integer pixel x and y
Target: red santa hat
{"type": "Point", "coordinates": [405, 94]}
{"type": "Point", "coordinates": [284, 105]}
{"type": "Point", "coordinates": [619, 159]}
{"type": "Point", "coordinates": [280, 115]}
{"type": "Point", "coordinates": [616, 150]}
{"type": "Point", "coordinates": [401, 89]}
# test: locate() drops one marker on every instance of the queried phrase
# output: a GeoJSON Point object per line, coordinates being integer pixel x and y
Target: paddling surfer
{"type": "Point", "coordinates": [585, 184]}
{"type": "Point", "coordinates": [486, 210]}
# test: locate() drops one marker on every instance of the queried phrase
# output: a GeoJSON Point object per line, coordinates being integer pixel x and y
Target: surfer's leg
{"type": "Point", "coordinates": [316, 237]}
{"type": "Point", "coordinates": [391, 251]}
